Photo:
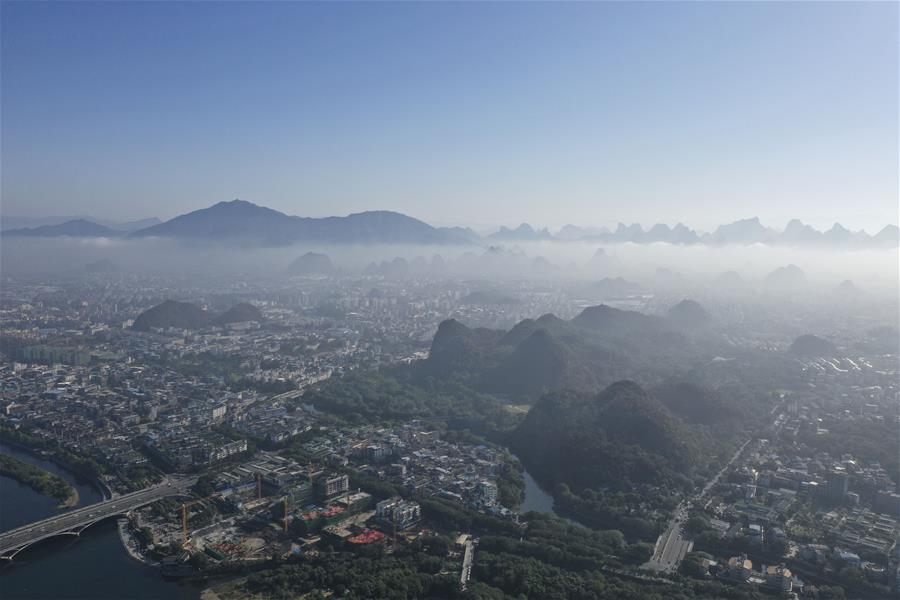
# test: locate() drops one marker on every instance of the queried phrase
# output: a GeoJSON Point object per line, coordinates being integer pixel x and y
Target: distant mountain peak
{"type": "Point", "coordinates": [244, 222]}
{"type": "Point", "coordinates": [73, 228]}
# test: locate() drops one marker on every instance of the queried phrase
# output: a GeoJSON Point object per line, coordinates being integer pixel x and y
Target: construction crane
{"type": "Point", "coordinates": [185, 514]}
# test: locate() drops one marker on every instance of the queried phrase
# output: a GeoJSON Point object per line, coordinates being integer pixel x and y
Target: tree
{"type": "Point", "coordinates": [638, 553]}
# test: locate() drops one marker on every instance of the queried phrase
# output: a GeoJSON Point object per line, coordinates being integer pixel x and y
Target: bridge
{"type": "Point", "coordinates": [73, 522]}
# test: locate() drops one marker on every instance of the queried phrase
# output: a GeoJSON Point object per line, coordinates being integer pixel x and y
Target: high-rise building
{"type": "Point", "coordinates": [397, 512]}
{"type": "Point", "coordinates": [835, 487]}
{"type": "Point", "coordinates": [331, 485]}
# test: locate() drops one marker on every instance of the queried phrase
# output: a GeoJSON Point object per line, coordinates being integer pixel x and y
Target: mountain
{"type": "Point", "coordinates": [522, 233]}
{"type": "Point", "coordinates": [681, 234]}
{"type": "Point", "coordinates": [745, 231]}
{"type": "Point", "coordinates": [600, 259]}
{"type": "Point", "coordinates": [628, 233]}
{"type": "Point", "coordinates": [524, 328]}
{"type": "Point", "coordinates": [573, 232]}
{"type": "Point", "coordinates": [847, 290]}
{"type": "Point", "coordinates": [610, 288]}
{"type": "Point", "coordinates": [131, 226]}
{"type": "Point", "coordinates": [700, 405]}
{"type": "Point", "coordinates": [838, 234]}
{"type": "Point", "coordinates": [76, 228]}
{"type": "Point", "coordinates": [729, 280]}
{"type": "Point", "coordinates": [617, 437]}
{"type": "Point", "coordinates": [239, 313]}
{"type": "Point", "coordinates": [689, 314]}
{"type": "Point", "coordinates": [171, 313]}
{"type": "Point", "coordinates": [797, 232]}
{"type": "Point", "coordinates": [7, 222]}
{"type": "Point", "coordinates": [398, 267]}
{"type": "Point", "coordinates": [607, 320]}
{"type": "Point", "coordinates": [542, 267]}
{"type": "Point", "coordinates": [244, 222]}
{"type": "Point", "coordinates": [13, 222]}
{"type": "Point", "coordinates": [812, 346]}
{"type": "Point", "coordinates": [599, 346]}
{"type": "Point", "coordinates": [889, 236]}
{"type": "Point", "coordinates": [537, 364]}
{"type": "Point", "coordinates": [456, 348]}
{"type": "Point", "coordinates": [789, 277]}
{"type": "Point", "coordinates": [312, 263]}
{"type": "Point", "coordinates": [658, 233]}
{"type": "Point", "coordinates": [461, 234]}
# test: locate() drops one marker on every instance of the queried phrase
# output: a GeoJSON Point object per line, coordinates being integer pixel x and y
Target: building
{"type": "Point", "coordinates": [739, 568]}
{"type": "Point", "coordinates": [299, 493]}
{"type": "Point", "coordinates": [331, 485]}
{"type": "Point", "coordinates": [485, 494]}
{"type": "Point", "coordinates": [398, 513]}
{"type": "Point", "coordinates": [779, 578]}
{"type": "Point", "coordinates": [218, 412]}
{"type": "Point", "coordinates": [887, 502]}
{"type": "Point", "coordinates": [835, 489]}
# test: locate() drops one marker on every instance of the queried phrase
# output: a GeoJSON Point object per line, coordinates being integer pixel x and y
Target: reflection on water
{"type": "Point", "coordinates": [536, 499]}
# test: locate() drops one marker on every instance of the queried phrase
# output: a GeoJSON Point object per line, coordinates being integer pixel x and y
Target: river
{"type": "Point", "coordinates": [536, 498]}
{"type": "Point", "coordinates": [93, 566]}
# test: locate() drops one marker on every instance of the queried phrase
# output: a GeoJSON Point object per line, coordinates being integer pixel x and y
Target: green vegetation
{"type": "Point", "coordinates": [547, 559]}
{"type": "Point", "coordinates": [171, 313]}
{"type": "Point", "coordinates": [38, 479]}
{"type": "Point", "coordinates": [511, 484]}
{"type": "Point", "coordinates": [420, 570]}
{"type": "Point", "coordinates": [640, 514]}
{"type": "Point", "coordinates": [617, 459]}
{"type": "Point", "coordinates": [384, 396]}
{"type": "Point", "coordinates": [80, 464]}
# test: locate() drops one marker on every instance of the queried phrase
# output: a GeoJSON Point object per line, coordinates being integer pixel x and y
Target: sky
{"type": "Point", "coordinates": [455, 113]}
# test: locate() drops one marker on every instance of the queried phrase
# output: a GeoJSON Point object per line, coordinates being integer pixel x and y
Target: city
{"type": "Point", "coordinates": [308, 300]}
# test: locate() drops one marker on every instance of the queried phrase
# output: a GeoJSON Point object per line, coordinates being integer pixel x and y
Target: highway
{"type": "Point", "coordinates": [74, 521]}
{"type": "Point", "coordinates": [671, 546]}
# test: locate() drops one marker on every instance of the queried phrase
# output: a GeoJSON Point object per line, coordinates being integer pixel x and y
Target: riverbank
{"type": "Point", "coordinates": [39, 480]}
{"type": "Point", "coordinates": [132, 544]}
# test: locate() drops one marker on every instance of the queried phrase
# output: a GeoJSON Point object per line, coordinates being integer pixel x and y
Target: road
{"type": "Point", "coordinates": [672, 545]}
{"type": "Point", "coordinates": [74, 521]}
{"type": "Point", "coordinates": [468, 559]}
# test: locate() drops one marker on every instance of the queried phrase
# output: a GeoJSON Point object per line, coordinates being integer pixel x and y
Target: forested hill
{"type": "Point", "coordinates": [619, 437]}
{"type": "Point", "coordinates": [598, 347]}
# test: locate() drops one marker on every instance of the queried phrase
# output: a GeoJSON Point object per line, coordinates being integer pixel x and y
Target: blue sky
{"type": "Point", "coordinates": [456, 113]}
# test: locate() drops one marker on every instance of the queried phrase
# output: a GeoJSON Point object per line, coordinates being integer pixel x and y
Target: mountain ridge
{"type": "Point", "coordinates": [249, 223]}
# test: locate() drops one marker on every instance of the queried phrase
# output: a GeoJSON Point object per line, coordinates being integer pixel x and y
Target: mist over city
{"type": "Point", "coordinates": [476, 301]}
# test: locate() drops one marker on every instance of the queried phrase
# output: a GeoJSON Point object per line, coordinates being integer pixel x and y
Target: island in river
{"type": "Point", "coordinates": [39, 480]}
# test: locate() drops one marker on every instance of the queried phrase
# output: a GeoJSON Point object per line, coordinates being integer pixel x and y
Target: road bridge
{"type": "Point", "coordinates": [73, 522]}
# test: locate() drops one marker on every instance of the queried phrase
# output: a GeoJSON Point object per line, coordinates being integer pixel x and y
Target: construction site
{"type": "Point", "coordinates": [271, 506]}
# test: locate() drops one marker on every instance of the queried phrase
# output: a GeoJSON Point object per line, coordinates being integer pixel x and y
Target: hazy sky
{"type": "Point", "coordinates": [457, 113]}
